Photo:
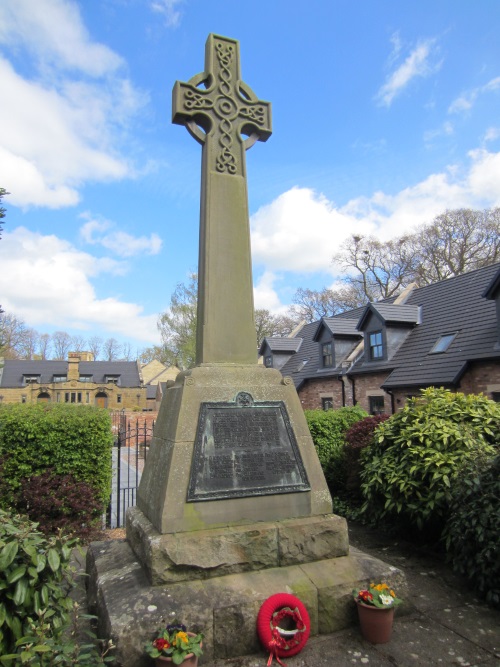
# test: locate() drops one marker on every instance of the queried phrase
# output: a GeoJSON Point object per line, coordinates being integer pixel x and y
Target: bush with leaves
{"type": "Point", "coordinates": [328, 428]}
{"type": "Point", "coordinates": [472, 532]}
{"type": "Point", "coordinates": [60, 502]}
{"type": "Point", "coordinates": [420, 452]}
{"type": "Point", "coordinates": [70, 439]}
{"type": "Point", "coordinates": [359, 436]}
{"type": "Point", "coordinates": [35, 576]}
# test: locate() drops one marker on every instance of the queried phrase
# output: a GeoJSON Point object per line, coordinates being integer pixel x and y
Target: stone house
{"type": "Point", "coordinates": [81, 380]}
{"type": "Point", "coordinates": [446, 335]}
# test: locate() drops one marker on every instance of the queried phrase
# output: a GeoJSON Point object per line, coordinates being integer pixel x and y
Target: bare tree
{"type": "Point", "coordinates": [29, 344]}
{"type": "Point", "coordinates": [43, 347]}
{"type": "Point", "coordinates": [95, 346]}
{"type": "Point", "coordinates": [127, 354]}
{"type": "Point", "coordinates": [78, 344]}
{"type": "Point", "coordinates": [456, 242]}
{"type": "Point", "coordinates": [111, 349]}
{"type": "Point", "coordinates": [61, 342]}
{"type": "Point", "coordinates": [381, 269]}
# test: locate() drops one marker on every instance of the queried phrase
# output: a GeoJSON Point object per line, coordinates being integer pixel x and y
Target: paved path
{"type": "Point", "coordinates": [448, 625]}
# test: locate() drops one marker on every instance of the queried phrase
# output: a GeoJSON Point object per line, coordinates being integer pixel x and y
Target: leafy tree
{"type": "Point", "coordinates": [269, 325]}
{"type": "Point", "coordinates": [13, 336]}
{"type": "Point", "coordinates": [177, 325]}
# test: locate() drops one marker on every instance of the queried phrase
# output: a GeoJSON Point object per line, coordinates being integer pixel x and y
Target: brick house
{"type": "Point", "coordinates": [446, 334]}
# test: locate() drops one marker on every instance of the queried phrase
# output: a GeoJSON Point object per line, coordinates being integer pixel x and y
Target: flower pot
{"type": "Point", "coordinates": [376, 623]}
{"type": "Point", "coordinates": [191, 660]}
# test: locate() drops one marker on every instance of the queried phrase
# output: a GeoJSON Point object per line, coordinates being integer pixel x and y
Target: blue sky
{"type": "Point", "coordinates": [384, 115]}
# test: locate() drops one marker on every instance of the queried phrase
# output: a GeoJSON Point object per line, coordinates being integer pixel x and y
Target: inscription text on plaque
{"type": "Point", "coordinates": [245, 449]}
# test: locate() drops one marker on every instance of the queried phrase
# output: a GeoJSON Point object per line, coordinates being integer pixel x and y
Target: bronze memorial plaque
{"type": "Point", "coordinates": [245, 448]}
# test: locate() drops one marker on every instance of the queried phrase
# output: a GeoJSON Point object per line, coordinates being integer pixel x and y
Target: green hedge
{"type": "Point", "coordinates": [68, 439]}
{"type": "Point", "coordinates": [418, 455]}
{"type": "Point", "coordinates": [328, 428]}
{"type": "Point", "coordinates": [473, 530]}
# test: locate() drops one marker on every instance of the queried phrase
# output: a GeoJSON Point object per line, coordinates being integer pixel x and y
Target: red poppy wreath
{"type": "Point", "coordinates": [283, 626]}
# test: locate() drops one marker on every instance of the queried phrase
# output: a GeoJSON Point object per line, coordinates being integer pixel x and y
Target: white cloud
{"type": "Point", "coordinates": [301, 230]}
{"type": "Point", "coordinates": [467, 99]}
{"type": "Point", "coordinates": [264, 294]}
{"type": "Point", "coordinates": [119, 242]}
{"type": "Point", "coordinates": [49, 281]}
{"type": "Point", "coordinates": [54, 32]}
{"type": "Point", "coordinates": [491, 134]}
{"type": "Point", "coordinates": [57, 132]}
{"type": "Point", "coordinates": [417, 64]}
{"type": "Point", "coordinates": [168, 9]}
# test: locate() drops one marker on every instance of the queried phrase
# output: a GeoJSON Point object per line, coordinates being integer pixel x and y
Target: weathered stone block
{"type": "Point", "coordinates": [312, 539]}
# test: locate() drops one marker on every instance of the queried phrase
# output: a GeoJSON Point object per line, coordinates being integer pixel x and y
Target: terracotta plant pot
{"type": "Point", "coordinates": [191, 660]}
{"type": "Point", "coordinates": [376, 623]}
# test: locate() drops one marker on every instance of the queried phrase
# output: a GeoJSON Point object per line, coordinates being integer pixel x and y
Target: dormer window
{"type": "Point", "coordinates": [31, 379]}
{"type": "Point", "coordinates": [327, 355]}
{"type": "Point", "coordinates": [443, 343]}
{"type": "Point", "coordinates": [59, 378]}
{"type": "Point", "coordinates": [86, 378]}
{"type": "Point", "coordinates": [376, 346]}
{"type": "Point", "coordinates": [268, 361]}
{"type": "Point", "coordinates": [112, 379]}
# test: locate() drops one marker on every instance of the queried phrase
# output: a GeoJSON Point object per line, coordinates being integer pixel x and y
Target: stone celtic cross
{"type": "Point", "coordinates": [225, 116]}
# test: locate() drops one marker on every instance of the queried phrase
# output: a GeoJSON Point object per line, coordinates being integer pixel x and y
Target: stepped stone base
{"type": "Point", "coordinates": [224, 608]}
{"type": "Point", "coordinates": [216, 552]}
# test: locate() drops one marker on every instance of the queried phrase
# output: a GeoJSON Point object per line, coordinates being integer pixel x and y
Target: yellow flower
{"type": "Point", "coordinates": [393, 593]}
{"type": "Point", "coordinates": [182, 637]}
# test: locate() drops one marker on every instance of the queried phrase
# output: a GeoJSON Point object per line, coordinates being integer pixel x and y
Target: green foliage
{"type": "Point", "coordinates": [70, 439]}
{"type": "Point", "coordinates": [419, 453]}
{"type": "Point", "coordinates": [40, 625]}
{"type": "Point", "coordinates": [472, 532]}
{"type": "Point", "coordinates": [328, 428]}
{"type": "Point", "coordinates": [35, 575]}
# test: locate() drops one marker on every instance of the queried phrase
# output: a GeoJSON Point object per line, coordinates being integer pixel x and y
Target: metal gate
{"type": "Point", "coordinates": [130, 447]}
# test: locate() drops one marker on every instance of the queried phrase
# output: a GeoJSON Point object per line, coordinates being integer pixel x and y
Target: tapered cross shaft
{"type": "Point", "coordinates": [219, 116]}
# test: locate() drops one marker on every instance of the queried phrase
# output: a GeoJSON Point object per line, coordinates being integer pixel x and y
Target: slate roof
{"type": "Point", "coordinates": [457, 304]}
{"type": "Point", "coordinates": [341, 326]}
{"type": "Point", "coordinates": [281, 344]}
{"type": "Point", "coordinates": [391, 313]}
{"type": "Point", "coordinates": [452, 305]}
{"type": "Point", "coordinates": [15, 369]}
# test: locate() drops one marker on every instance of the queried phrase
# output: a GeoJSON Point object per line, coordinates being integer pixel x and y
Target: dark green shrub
{"type": "Point", "coordinates": [359, 436]}
{"type": "Point", "coordinates": [327, 429]}
{"type": "Point", "coordinates": [418, 454]}
{"type": "Point", "coordinates": [35, 575]}
{"type": "Point", "coordinates": [59, 502]}
{"type": "Point", "coordinates": [473, 529]}
{"type": "Point", "coordinates": [70, 439]}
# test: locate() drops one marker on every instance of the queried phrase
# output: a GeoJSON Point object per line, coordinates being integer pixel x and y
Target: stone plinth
{"type": "Point", "coordinates": [162, 495]}
{"type": "Point", "coordinates": [130, 610]}
{"type": "Point", "coordinates": [207, 554]}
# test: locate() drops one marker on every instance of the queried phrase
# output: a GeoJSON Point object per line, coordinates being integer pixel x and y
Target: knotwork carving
{"type": "Point", "coordinates": [225, 160]}
{"type": "Point", "coordinates": [197, 101]}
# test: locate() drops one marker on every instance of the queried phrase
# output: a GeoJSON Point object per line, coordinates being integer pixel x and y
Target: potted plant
{"type": "Point", "coordinates": [376, 612]}
{"type": "Point", "coordinates": [175, 644]}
